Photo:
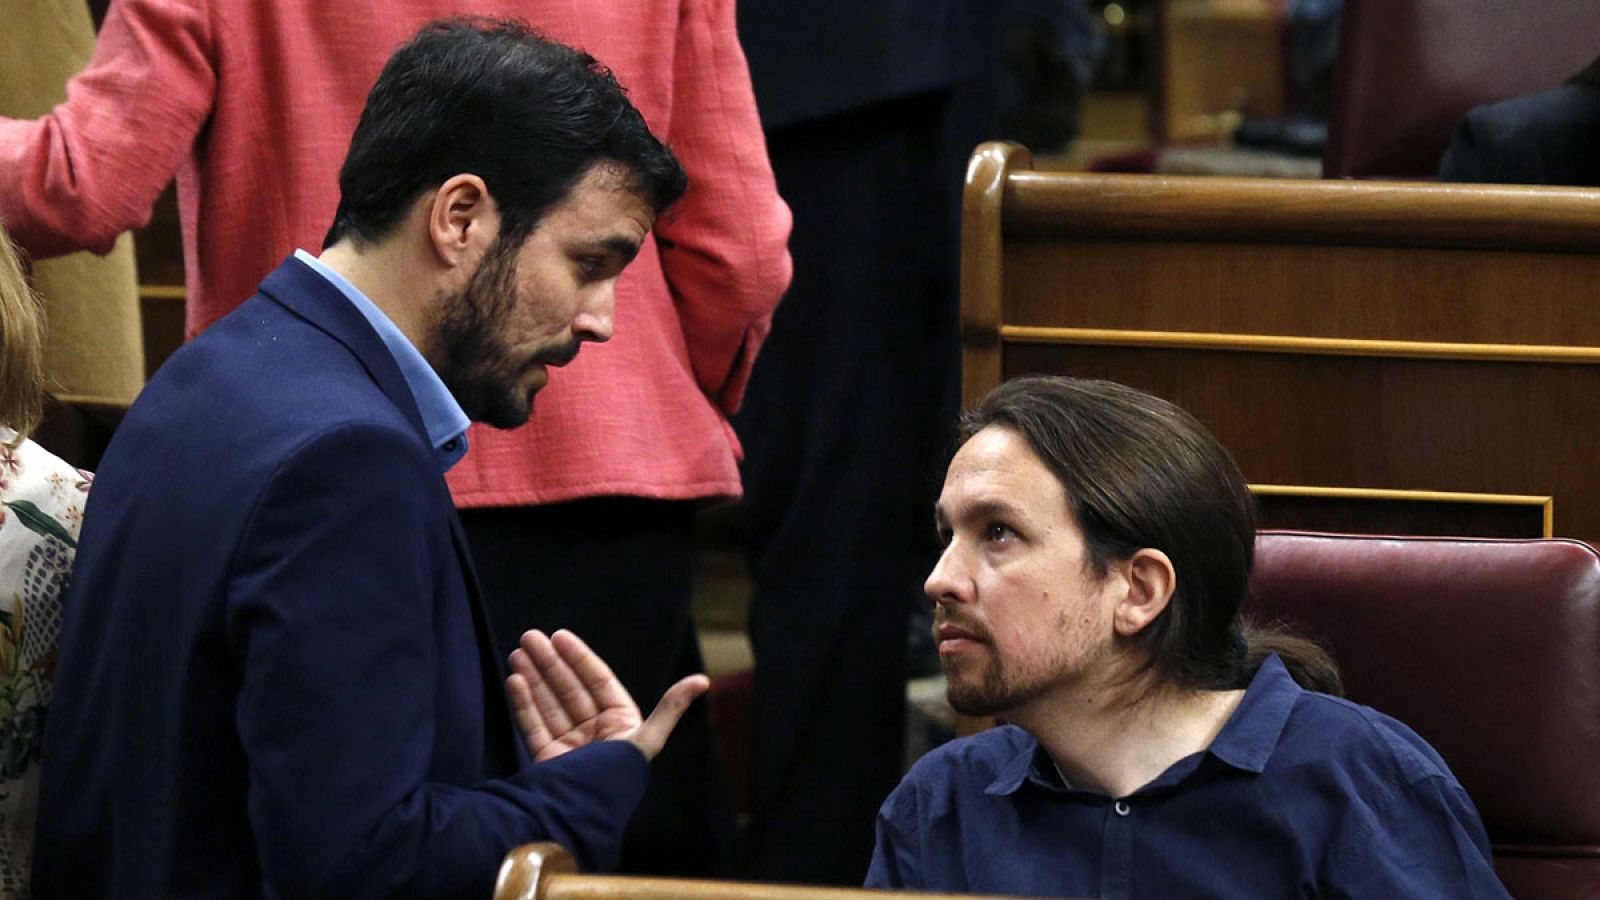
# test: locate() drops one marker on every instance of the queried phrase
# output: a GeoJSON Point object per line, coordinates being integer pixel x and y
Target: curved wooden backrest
{"type": "Point", "coordinates": [1378, 356]}
{"type": "Point", "coordinates": [546, 871]}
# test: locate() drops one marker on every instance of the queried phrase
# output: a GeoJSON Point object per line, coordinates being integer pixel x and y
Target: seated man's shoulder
{"type": "Point", "coordinates": [1557, 107]}
{"type": "Point", "coordinates": [1543, 138]}
{"type": "Point", "coordinates": [1354, 739]}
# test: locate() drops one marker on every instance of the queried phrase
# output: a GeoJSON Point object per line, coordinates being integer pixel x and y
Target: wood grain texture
{"type": "Point", "coordinates": [546, 871]}
{"type": "Point", "coordinates": [1332, 213]}
{"type": "Point", "coordinates": [1287, 316]}
{"type": "Point", "coordinates": [981, 243]}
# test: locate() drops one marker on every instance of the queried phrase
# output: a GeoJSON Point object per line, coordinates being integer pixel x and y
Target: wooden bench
{"type": "Point", "coordinates": [1379, 357]}
{"type": "Point", "coordinates": [546, 871]}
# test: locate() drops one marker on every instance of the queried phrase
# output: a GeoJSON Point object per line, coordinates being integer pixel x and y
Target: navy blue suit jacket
{"type": "Point", "coordinates": [274, 677]}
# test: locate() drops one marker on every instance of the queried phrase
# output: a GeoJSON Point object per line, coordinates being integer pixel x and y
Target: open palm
{"type": "Point", "coordinates": [564, 696]}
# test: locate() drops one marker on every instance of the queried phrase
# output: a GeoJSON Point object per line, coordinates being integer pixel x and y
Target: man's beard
{"type": "Point", "coordinates": [991, 694]}
{"type": "Point", "coordinates": [473, 363]}
{"type": "Point", "coordinates": [999, 688]}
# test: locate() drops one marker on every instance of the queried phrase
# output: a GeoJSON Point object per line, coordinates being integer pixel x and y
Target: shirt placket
{"type": "Point", "coordinates": [1116, 861]}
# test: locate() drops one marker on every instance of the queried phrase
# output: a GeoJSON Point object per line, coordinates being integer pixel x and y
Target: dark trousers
{"type": "Point", "coordinates": [845, 425]}
{"type": "Point", "coordinates": [617, 572]}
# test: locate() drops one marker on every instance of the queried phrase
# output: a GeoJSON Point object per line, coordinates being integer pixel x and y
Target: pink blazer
{"type": "Point", "coordinates": [252, 105]}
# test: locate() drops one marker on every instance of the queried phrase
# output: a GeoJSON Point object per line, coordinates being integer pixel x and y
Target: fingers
{"type": "Point", "coordinates": [652, 735]}
{"type": "Point", "coordinates": [529, 721]}
{"type": "Point", "coordinates": [533, 661]}
{"type": "Point", "coordinates": [600, 684]}
{"type": "Point", "coordinates": [568, 701]}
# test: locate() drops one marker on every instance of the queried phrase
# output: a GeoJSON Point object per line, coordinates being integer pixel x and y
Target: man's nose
{"type": "Point", "coordinates": [945, 583]}
{"type": "Point", "coordinates": [596, 319]}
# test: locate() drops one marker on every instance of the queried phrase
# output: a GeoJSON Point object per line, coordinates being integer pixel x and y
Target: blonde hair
{"type": "Point", "coordinates": [21, 345]}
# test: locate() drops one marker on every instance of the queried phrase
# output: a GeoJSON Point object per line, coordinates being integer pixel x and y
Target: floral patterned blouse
{"type": "Point", "coordinates": [41, 510]}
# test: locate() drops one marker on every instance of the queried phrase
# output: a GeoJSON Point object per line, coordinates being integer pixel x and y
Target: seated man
{"type": "Point", "coordinates": [1098, 542]}
{"type": "Point", "coordinates": [275, 676]}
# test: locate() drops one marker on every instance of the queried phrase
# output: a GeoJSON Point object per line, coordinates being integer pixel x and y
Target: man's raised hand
{"type": "Point", "coordinates": [565, 696]}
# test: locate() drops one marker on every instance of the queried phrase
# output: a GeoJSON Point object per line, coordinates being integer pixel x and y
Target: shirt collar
{"type": "Point", "coordinates": [442, 416]}
{"type": "Point", "coordinates": [1252, 732]}
{"type": "Point", "coordinates": [1021, 768]}
{"type": "Point", "coordinates": [1246, 742]}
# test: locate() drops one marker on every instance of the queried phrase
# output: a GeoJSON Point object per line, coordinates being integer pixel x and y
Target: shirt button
{"type": "Point", "coordinates": [451, 445]}
{"type": "Point", "coordinates": [1122, 808]}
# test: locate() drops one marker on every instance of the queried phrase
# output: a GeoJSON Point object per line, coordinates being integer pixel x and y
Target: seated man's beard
{"type": "Point", "coordinates": [478, 370]}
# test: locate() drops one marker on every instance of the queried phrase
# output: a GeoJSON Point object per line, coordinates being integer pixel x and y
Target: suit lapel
{"type": "Point", "coordinates": [298, 288]}
{"type": "Point", "coordinates": [301, 290]}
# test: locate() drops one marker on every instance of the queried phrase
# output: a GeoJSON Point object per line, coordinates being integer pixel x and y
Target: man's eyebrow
{"type": "Point", "coordinates": [622, 247]}
{"type": "Point", "coordinates": [983, 508]}
{"type": "Point", "coordinates": [992, 508]}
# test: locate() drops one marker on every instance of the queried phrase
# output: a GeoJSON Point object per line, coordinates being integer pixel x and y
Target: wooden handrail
{"type": "Point", "coordinates": [546, 871]}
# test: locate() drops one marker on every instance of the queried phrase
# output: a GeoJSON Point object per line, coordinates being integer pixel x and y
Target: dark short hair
{"type": "Point", "coordinates": [1140, 472]}
{"type": "Point", "coordinates": [493, 98]}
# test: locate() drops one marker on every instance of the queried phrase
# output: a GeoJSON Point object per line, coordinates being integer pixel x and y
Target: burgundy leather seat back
{"type": "Point", "coordinates": [1408, 70]}
{"type": "Point", "coordinates": [1489, 649]}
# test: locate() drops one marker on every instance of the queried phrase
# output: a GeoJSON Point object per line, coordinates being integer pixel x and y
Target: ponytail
{"type": "Point", "coordinates": [1309, 665]}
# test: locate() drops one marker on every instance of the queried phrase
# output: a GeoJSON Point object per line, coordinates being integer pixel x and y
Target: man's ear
{"type": "Point", "coordinates": [463, 220]}
{"type": "Point", "coordinates": [1151, 581]}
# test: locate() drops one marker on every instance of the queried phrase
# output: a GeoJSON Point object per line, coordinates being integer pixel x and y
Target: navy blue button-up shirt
{"type": "Point", "coordinates": [1300, 795]}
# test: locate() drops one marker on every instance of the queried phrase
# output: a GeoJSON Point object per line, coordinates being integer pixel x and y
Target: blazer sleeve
{"type": "Point", "coordinates": [724, 245]}
{"type": "Point", "coordinates": [92, 168]}
{"type": "Point", "coordinates": [333, 625]}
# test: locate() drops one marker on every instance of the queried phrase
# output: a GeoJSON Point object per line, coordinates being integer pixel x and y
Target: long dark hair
{"type": "Point", "coordinates": [1140, 472]}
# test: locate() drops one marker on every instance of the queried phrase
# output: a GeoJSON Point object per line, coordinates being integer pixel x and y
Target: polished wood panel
{"type": "Point", "coordinates": [1330, 213]}
{"type": "Point", "coordinates": [1367, 515]}
{"type": "Point", "coordinates": [1305, 289]}
{"type": "Point", "coordinates": [1332, 334]}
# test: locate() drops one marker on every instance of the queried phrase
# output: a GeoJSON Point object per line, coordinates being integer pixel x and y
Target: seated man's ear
{"type": "Point", "coordinates": [1151, 581]}
{"type": "Point", "coordinates": [462, 220]}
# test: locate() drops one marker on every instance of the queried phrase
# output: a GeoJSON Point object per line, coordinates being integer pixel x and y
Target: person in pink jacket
{"type": "Point", "coordinates": [582, 518]}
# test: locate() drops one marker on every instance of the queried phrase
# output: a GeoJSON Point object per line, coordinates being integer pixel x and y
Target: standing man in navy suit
{"type": "Point", "coordinates": [275, 676]}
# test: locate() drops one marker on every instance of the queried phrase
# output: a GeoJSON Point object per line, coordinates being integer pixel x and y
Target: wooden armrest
{"type": "Point", "coordinates": [546, 871]}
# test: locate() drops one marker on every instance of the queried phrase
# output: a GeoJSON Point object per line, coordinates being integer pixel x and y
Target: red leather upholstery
{"type": "Point", "coordinates": [1490, 649]}
{"type": "Point", "coordinates": [1409, 69]}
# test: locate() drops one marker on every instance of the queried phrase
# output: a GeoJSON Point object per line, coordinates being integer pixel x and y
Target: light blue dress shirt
{"type": "Point", "coordinates": [442, 416]}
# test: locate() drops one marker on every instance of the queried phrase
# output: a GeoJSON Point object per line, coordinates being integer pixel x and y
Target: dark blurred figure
{"type": "Point", "coordinates": [1048, 58]}
{"type": "Point", "coordinates": [870, 111]}
{"type": "Point", "coordinates": [1313, 49]}
{"type": "Point", "coordinates": [1552, 137]}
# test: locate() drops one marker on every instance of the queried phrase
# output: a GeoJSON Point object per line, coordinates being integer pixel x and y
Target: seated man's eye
{"type": "Point", "coordinates": [999, 532]}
